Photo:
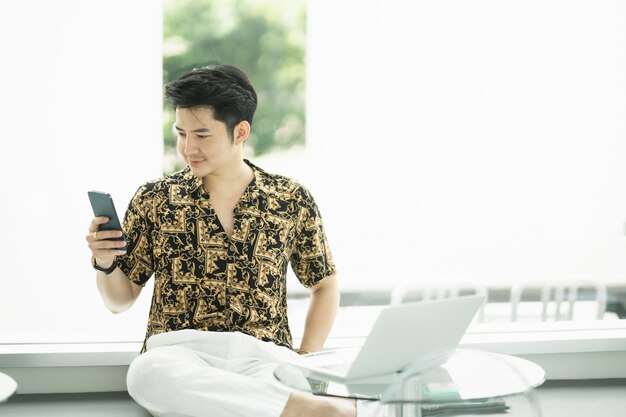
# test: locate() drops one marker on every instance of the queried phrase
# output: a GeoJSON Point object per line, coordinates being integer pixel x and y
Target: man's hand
{"type": "Point", "coordinates": [102, 249]}
{"type": "Point", "coordinates": [116, 290]}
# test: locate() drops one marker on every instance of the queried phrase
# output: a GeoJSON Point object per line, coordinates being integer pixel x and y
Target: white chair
{"type": "Point", "coordinates": [434, 290]}
{"type": "Point", "coordinates": [558, 299]}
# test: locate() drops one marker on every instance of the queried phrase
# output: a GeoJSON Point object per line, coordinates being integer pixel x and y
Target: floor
{"type": "Point", "coordinates": [118, 404]}
{"type": "Point", "coordinates": [606, 398]}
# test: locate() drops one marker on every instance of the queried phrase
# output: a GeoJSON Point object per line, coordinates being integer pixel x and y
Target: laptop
{"type": "Point", "coordinates": [427, 331]}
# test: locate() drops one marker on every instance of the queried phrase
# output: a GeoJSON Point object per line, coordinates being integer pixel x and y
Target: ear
{"type": "Point", "coordinates": [241, 132]}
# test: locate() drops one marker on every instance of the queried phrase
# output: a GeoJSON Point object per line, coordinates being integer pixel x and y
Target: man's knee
{"type": "Point", "coordinates": [148, 372]}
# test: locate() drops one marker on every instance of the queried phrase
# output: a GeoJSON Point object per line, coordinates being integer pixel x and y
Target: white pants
{"type": "Point", "coordinates": [197, 373]}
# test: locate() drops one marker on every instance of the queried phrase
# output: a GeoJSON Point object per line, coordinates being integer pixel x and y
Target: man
{"type": "Point", "coordinates": [218, 237]}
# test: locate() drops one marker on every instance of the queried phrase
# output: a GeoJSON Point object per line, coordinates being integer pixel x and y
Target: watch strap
{"type": "Point", "coordinates": [108, 270]}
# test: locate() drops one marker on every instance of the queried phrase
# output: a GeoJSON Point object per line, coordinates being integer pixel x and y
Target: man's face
{"type": "Point", "coordinates": [203, 142]}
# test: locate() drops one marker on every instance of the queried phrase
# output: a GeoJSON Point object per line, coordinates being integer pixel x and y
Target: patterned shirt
{"type": "Point", "coordinates": [206, 280]}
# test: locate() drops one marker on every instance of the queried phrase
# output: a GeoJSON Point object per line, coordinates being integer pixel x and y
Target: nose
{"type": "Point", "coordinates": [188, 146]}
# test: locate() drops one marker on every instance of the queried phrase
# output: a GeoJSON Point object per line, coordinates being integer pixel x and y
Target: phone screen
{"type": "Point", "coordinates": [102, 205]}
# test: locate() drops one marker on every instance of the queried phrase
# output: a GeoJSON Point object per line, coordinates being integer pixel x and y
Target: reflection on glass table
{"type": "Point", "coordinates": [470, 381]}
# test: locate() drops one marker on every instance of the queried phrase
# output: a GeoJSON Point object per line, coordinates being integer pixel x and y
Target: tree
{"type": "Point", "coordinates": [265, 38]}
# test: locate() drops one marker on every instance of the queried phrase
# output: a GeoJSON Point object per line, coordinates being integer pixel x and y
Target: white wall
{"type": "Point", "coordinates": [80, 109]}
{"type": "Point", "coordinates": [482, 138]}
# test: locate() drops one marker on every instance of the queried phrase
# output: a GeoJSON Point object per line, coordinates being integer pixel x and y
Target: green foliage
{"type": "Point", "coordinates": [265, 38]}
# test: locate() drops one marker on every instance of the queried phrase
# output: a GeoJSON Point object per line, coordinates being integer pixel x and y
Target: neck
{"type": "Point", "coordinates": [230, 176]}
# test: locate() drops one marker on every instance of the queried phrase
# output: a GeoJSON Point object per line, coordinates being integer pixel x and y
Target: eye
{"type": "Point", "coordinates": [181, 134]}
{"type": "Point", "coordinates": [203, 136]}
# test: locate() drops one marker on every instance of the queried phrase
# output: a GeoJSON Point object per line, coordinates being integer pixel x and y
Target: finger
{"type": "Point", "coordinates": [92, 237]}
{"type": "Point", "coordinates": [96, 222]}
{"type": "Point", "coordinates": [109, 234]}
{"type": "Point", "coordinates": [110, 244]}
{"type": "Point", "coordinates": [107, 248]}
{"type": "Point", "coordinates": [105, 244]}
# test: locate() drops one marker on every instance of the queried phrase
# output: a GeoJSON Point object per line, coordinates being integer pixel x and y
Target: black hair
{"type": "Point", "coordinates": [225, 89]}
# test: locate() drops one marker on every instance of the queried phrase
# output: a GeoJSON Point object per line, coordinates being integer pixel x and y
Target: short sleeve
{"type": "Point", "coordinates": [137, 262]}
{"type": "Point", "coordinates": [311, 259]}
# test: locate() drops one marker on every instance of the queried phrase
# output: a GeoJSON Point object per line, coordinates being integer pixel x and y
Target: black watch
{"type": "Point", "coordinates": [108, 270]}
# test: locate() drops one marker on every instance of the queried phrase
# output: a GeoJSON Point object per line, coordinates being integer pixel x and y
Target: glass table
{"type": "Point", "coordinates": [470, 382]}
{"type": "Point", "coordinates": [7, 387]}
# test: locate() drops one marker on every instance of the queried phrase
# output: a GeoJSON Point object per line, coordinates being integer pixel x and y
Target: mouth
{"type": "Point", "coordinates": [196, 161]}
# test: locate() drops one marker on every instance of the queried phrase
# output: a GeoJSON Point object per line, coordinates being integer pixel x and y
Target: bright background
{"type": "Point", "coordinates": [482, 138]}
{"type": "Point", "coordinates": [80, 107]}
{"type": "Point", "coordinates": [448, 138]}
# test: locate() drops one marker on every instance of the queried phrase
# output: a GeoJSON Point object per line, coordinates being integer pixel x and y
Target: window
{"type": "Point", "coordinates": [265, 38]}
{"type": "Point", "coordinates": [80, 110]}
{"type": "Point", "coordinates": [483, 139]}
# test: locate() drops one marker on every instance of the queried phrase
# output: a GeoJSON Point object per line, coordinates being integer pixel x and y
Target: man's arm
{"type": "Point", "coordinates": [321, 315]}
{"type": "Point", "coordinates": [116, 290]}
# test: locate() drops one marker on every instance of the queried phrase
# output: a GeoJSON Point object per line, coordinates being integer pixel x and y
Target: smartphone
{"type": "Point", "coordinates": [102, 205]}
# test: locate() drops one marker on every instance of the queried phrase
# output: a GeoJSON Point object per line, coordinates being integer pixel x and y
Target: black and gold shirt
{"type": "Point", "coordinates": [207, 281]}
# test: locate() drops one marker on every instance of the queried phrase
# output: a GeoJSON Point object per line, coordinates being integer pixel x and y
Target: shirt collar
{"type": "Point", "coordinates": [190, 181]}
{"type": "Point", "coordinates": [260, 184]}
